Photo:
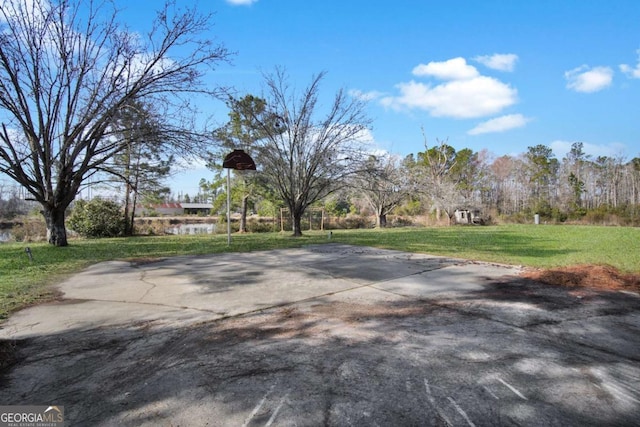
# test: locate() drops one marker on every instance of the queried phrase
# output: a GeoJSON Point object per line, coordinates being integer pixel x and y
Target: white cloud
{"type": "Point", "coordinates": [631, 72]}
{"type": "Point", "coordinates": [614, 149]}
{"type": "Point", "coordinates": [465, 93]}
{"type": "Point", "coordinates": [500, 124]}
{"type": "Point", "coordinates": [453, 69]}
{"type": "Point", "coordinates": [588, 80]}
{"type": "Point", "coordinates": [498, 61]}
{"type": "Point", "coordinates": [15, 8]}
{"type": "Point", "coordinates": [365, 96]}
{"type": "Point", "coordinates": [241, 2]}
{"type": "Point", "coordinates": [364, 136]}
{"type": "Point", "coordinates": [477, 97]}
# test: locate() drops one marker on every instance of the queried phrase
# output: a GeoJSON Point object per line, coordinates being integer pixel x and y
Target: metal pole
{"type": "Point", "coordinates": [228, 208]}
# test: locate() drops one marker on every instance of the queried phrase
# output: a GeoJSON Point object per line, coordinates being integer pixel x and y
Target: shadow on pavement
{"type": "Point", "coordinates": [337, 361]}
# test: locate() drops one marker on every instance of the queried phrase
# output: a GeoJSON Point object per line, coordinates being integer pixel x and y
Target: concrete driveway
{"type": "Point", "coordinates": [325, 335]}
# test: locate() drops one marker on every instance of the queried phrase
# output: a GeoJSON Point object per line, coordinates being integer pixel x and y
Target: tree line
{"type": "Point", "coordinates": [535, 181]}
{"type": "Point", "coordinates": [441, 179]}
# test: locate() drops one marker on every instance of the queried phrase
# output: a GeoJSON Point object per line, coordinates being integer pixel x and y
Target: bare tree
{"type": "Point", "coordinates": [634, 177]}
{"type": "Point", "coordinates": [503, 184]}
{"type": "Point", "coordinates": [435, 168]}
{"type": "Point", "coordinates": [67, 68]}
{"type": "Point", "coordinates": [383, 184]}
{"type": "Point", "coordinates": [309, 152]}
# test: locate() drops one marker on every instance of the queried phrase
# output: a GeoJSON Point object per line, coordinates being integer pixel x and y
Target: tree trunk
{"type": "Point", "coordinates": [132, 218]}
{"type": "Point", "coordinates": [382, 221]}
{"type": "Point", "coordinates": [243, 215]}
{"type": "Point", "coordinates": [127, 189]}
{"type": "Point", "coordinates": [296, 223]}
{"type": "Point", "coordinates": [129, 209]}
{"type": "Point", "coordinates": [56, 231]}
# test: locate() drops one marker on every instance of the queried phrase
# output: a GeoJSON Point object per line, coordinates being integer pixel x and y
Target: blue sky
{"type": "Point", "coordinates": [495, 75]}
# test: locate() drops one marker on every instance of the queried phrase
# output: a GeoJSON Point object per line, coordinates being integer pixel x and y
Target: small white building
{"type": "Point", "coordinates": [196, 208]}
{"type": "Point", "coordinates": [176, 209]}
{"type": "Point", "coordinates": [467, 216]}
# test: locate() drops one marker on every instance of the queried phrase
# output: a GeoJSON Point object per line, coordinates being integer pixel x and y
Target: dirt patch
{"type": "Point", "coordinates": [601, 277]}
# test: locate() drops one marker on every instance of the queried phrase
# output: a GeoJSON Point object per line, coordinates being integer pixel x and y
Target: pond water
{"type": "Point", "coordinates": [178, 229]}
{"type": "Point", "coordinates": [182, 229]}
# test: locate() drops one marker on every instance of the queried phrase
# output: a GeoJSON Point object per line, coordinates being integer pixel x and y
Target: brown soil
{"type": "Point", "coordinates": [601, 277]}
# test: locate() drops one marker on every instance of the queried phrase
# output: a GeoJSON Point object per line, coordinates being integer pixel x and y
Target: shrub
{"type": "Point", "coordinates": [351, 221]}
{"type": "Point", "coordinates": [410, 208]}
{"type": "Point", "coordinates": [400, 221]}
{"type": "Point", "coordinates": [151, 227]}
{"type": "Point", "coordinates": [221, 227]}
{"type": "Point", "coordinates": [97, 218]}
{"type": "Point", "coordinates": [261, 225]}
{"type": "Point", "coordinates": [29, 229]}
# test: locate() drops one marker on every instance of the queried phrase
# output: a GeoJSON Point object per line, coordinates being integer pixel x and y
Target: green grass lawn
{"type": "Point", "coordinates": [23, 282]}
{"type": "Point", "coordinates": [529, 245]}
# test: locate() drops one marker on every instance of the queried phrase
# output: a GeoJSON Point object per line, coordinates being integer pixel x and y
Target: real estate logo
{"type": "Point", "coordinates": [31, 416]}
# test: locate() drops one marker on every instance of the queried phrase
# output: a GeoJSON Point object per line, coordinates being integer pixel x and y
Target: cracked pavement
{"type": "Point", "coordinates": [325, 335]}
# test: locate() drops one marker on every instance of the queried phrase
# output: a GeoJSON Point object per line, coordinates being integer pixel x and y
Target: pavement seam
{"type": "Point", "coordinates": [143, 275]}
{"type": "Point", "coordinates": [152, 304]}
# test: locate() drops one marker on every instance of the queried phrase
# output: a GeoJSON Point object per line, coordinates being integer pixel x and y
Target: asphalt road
{"type": "Point", "coordinates": [325, 335]}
